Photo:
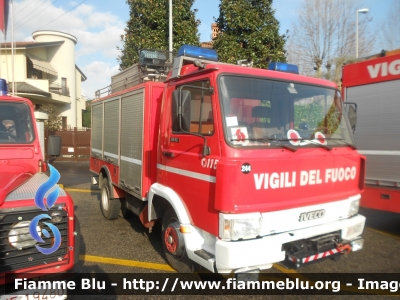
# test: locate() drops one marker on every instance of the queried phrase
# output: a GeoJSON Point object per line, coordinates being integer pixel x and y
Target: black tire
{"type": "Point", "coordinates": [109, 207]}
{"type": "Point", "coordinates": [173, 243]}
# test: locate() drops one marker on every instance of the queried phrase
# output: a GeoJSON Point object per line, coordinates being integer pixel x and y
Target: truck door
{"type": "Point", "coordinates": [184, 168]}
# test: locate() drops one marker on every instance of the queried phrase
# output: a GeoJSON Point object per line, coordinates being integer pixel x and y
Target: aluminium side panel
{"type": "Point", "coordinates": [97, 130]}
{"type": "Point", "coordinates": [111, 128]}
{"type": "Point", "coordinates": [132, 109]}
{"type": "Point", "coordinates": [377, 131]}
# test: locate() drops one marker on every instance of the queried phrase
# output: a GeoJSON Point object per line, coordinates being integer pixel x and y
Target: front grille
{"type": "Point", "coordinates": [12, 259]}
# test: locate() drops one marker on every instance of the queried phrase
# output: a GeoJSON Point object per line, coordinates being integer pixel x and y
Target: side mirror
{"type": "Point", "coordinates": [181, 110]}
{"type": "Point", "coordinates": [352, 114]}
{"type": "Point", "coordinates": [54, 146]}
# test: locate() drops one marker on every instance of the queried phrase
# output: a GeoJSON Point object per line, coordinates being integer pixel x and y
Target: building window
{"type": "Point", "coordinates": [64, 87]}
{"type": "Point", "coordinates": [34, 73]}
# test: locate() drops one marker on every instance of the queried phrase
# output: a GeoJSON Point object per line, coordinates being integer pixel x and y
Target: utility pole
{"type": "Point", "coordinates": [170, 30]}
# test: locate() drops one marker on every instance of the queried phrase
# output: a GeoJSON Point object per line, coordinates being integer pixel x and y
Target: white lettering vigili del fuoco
{"type": "Point", "coordinates": [311, 177]}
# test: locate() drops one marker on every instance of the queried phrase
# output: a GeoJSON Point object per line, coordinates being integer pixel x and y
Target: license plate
{"type": "Point", "coordinates": [44, 294]}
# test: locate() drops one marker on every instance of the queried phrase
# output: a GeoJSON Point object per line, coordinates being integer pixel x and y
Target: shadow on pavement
{"type": "Point", "coordinates": [74, 174]}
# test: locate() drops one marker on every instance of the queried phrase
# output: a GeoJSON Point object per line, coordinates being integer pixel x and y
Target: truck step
{"type": "Point", "coordinates": [204, 254]}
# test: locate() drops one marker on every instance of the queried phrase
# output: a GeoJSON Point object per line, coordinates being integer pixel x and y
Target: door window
{"type": "Point", "coordinates": [201, 112]}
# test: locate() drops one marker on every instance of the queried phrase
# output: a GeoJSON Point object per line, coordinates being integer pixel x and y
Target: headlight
{"type": "Point", "coordinates": [56, 217]}
{"type": "Point", "coordinates": [354, 206]}
{"type": "Point", "coordinates": [19, 236]}
{"type": "Point", "coordinates": [242, 226]}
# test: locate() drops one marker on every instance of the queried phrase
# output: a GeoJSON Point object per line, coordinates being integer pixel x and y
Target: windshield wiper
{"type": "Point", "coordinates": [288, 147]}
{"type": "Point", "coordinates": [277, 141]}
{"type": "Point", "coordinates": [249, 139]}
{"type": "Point", "coordinates": [310, 141]}
{"type": "Point", "coordinates": [266, 140]}
{"type": "Point", "coordinates": [343, 142]}
{"type": "Point", "coordinates": [320, 145]}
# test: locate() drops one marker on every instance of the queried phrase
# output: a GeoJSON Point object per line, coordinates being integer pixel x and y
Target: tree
{"type": "Point", "coordinates": [391, 27]}
{"type": "Point", "coordinates": [148, 28]}
{"type": "Point", "coordinates": [54, 122]}
{"type": "Point", "coordinates": [248, 29]}
{"type": "Point", "coordinates": [324, 37]}
{"type": "Point", "coordinates": [86, 115]}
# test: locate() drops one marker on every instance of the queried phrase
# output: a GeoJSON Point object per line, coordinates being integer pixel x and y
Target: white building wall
{"type": "Point", "coordinates": [6, 64]}
{"type": "Point", "coordinates": [80, 103]}
{"type": "Point", "coordinates": [63, 58]}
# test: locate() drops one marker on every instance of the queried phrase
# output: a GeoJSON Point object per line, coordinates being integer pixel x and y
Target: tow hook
{"type": "Point", "coordinates": [344, 249]}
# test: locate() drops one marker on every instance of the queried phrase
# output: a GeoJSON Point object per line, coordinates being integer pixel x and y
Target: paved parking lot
{"type": "Point", "coordinates": [125, 246]}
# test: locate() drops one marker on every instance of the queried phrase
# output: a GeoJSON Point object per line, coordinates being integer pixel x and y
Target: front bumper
{"type": "Point", "coordinates": [261, 253]}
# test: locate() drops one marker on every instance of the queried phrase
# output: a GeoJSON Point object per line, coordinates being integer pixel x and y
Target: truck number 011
{"type": "Point", "coordinates": [210, 163]}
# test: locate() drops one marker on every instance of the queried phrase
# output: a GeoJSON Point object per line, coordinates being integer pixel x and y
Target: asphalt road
{"type": "Point", "coordinates": [125, 246]}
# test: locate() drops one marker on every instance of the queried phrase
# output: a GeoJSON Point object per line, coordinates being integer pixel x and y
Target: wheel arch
{"type": "Point", "coordinates": [115, 191]}
{"type": "Point", "coordinates": [105, 173]}
{"type": "Point", "coordinates": [162, 197]}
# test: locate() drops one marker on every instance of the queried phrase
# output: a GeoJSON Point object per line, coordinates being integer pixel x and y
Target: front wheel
{"type": "Point", "coordinates": [174, 244]}
{"type": "Point", "coordinates": [109, 207]}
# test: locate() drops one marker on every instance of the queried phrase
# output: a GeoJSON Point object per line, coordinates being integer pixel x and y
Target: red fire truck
{"type": "Point", "coordinates": [374, 84]}
{"type": "Point", "coordinates": [243, 167]}
{"type": "Point", "coordinates": [22, 173]}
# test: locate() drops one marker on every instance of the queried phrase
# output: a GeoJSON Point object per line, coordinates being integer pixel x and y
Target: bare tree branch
{"type": "Point", "coordinates": [391, 28]}
{"type": "Point", "coordinates": [324, 37]}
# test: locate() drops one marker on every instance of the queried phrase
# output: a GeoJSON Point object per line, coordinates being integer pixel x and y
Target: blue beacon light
{"type": "Point", "coordinates": [198, 52]}
{"type": "Point", "coordinates": [3, 87]}
{"type": "Point", "coordinates": [283, 67]}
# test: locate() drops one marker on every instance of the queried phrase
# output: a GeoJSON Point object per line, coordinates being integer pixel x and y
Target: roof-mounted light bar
{"type": "Point", "coordinates": [153, 57]}
{"type": "Point", "coordinates": [283, 67]}
{"type": "Point", "coordinates": [198, 52]}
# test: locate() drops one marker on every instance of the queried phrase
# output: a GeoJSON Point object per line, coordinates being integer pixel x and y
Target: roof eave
{"type": "Point", "coordinates": [80, 71]}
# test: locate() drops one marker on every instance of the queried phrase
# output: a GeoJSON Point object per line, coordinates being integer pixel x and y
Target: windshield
{"type": "Point", "coordinates": [266, 113]}
{"type": "Point", "coordinates": [15, 123]}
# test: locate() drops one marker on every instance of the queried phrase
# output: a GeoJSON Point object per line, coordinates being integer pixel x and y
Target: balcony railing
{"type": "Point", "coordinates": [59, 89]}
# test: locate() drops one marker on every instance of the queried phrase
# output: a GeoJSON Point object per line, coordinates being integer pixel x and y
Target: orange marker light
{"type": "Point", "coordinates": [185, 229]}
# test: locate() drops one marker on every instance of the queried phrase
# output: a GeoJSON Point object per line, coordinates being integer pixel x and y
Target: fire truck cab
{"type": "Point", "coordinates": [22, 174]}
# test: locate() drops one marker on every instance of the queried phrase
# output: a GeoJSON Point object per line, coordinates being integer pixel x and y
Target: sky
{"type": "Point", "coordinates": [98, 25]}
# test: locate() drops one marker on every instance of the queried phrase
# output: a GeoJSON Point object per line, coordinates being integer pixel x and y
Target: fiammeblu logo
{"type": "Point", "coordinates": [51, 200]}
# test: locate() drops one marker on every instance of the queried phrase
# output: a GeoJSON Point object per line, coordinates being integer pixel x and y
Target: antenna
{"type": "Point", "coordinates": [12, 47]}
